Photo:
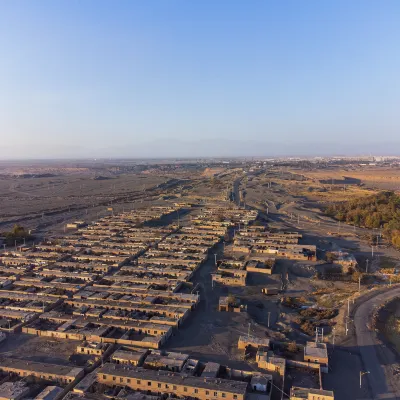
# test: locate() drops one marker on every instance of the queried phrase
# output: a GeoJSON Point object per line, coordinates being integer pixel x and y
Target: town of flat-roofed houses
{"type": "Point", "coordinates": [212, 286]}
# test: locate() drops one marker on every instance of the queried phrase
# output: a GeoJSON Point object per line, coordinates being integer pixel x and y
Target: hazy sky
{"type": "Point", "coordinates": [198, 77]}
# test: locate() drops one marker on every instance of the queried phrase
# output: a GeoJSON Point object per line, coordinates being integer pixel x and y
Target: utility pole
{"type": "Point", "coordinates": [361, 375]}
{"type": "Point", "coordinates": [372, 251]}
{"type": "Point", "coordinates": [215, 255]}
{"type": "Point", "coordinates": [269, 315]}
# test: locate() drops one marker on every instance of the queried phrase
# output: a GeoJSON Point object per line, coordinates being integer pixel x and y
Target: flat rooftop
{"type": "Point", "coordinates": [317, 350]}
{"type": "Point", "coordinates": [26, 365]}
{"type": "Point", "coordinates": [49, 393]}
{"type": "Point", "coordinates": [13, 390]}
{"type": "Point", "coordinates": [128, 355]}
{"type": "Point", "coordinates": [303, 392]}
{"type": "Point", "coordinates": [169, 377]}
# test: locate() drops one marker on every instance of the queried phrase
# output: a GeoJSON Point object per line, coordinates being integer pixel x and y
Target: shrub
{"type": "Point", "coordinates": [292, 347]}
{"type": "Point", "coordinates": [308, 328]}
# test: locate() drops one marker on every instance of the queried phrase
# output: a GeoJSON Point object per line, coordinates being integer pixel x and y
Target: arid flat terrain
{"type": "Point", "coordinates": [387, 178]}
{"type": "Point", "coordinates": [311, 292]}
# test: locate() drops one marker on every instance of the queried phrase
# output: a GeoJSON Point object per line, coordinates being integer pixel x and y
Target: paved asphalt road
{"type": "Point", "coordinates": [380, 378]}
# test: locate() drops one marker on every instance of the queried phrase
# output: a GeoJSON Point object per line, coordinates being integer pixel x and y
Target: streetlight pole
{"type": "Point", "coordinates": [348, 306]}
{"type": "Point", "coordinates": [269, 315]}
{"type": "Point", "coordinates": [348, 320]}
{"type": "Point", "coordinates": [361, 375]}
{"type": "Point", "coordinates": [334, 332]}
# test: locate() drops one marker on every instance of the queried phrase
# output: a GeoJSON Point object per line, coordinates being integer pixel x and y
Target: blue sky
{"type": "Point", "coordinates": [198, 77]}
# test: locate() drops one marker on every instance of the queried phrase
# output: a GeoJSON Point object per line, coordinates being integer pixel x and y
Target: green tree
{"type": "Point", "coordinates": [231, 300]}
{"type": "Point", "coordinates": [292, 347]}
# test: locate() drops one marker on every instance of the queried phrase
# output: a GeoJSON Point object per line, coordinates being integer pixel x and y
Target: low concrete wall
{"type": "Point", "coordinates": [305, 364]}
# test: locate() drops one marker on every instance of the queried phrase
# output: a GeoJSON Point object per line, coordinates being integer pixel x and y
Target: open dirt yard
{"type": "Point", "coordinates": [39, 349]}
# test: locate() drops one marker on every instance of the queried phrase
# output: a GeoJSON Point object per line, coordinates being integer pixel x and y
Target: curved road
{"type": "Point", "coordinates": [377, 358]}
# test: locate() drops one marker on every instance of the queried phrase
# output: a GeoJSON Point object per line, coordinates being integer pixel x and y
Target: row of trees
{"type": "Point", "coordinates": [381, 210]}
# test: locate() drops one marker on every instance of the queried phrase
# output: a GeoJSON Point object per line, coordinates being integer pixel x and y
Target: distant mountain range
{"type": "Point", "coordinates": [200, 148]}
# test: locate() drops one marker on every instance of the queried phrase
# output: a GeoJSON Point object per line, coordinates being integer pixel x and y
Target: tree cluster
{"type": "Point", "coordinates": [318, 315]}
{"type": "Point", "coordinates": [376, 211]}
{"type": "Point", "coordinates": [18, 233]}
